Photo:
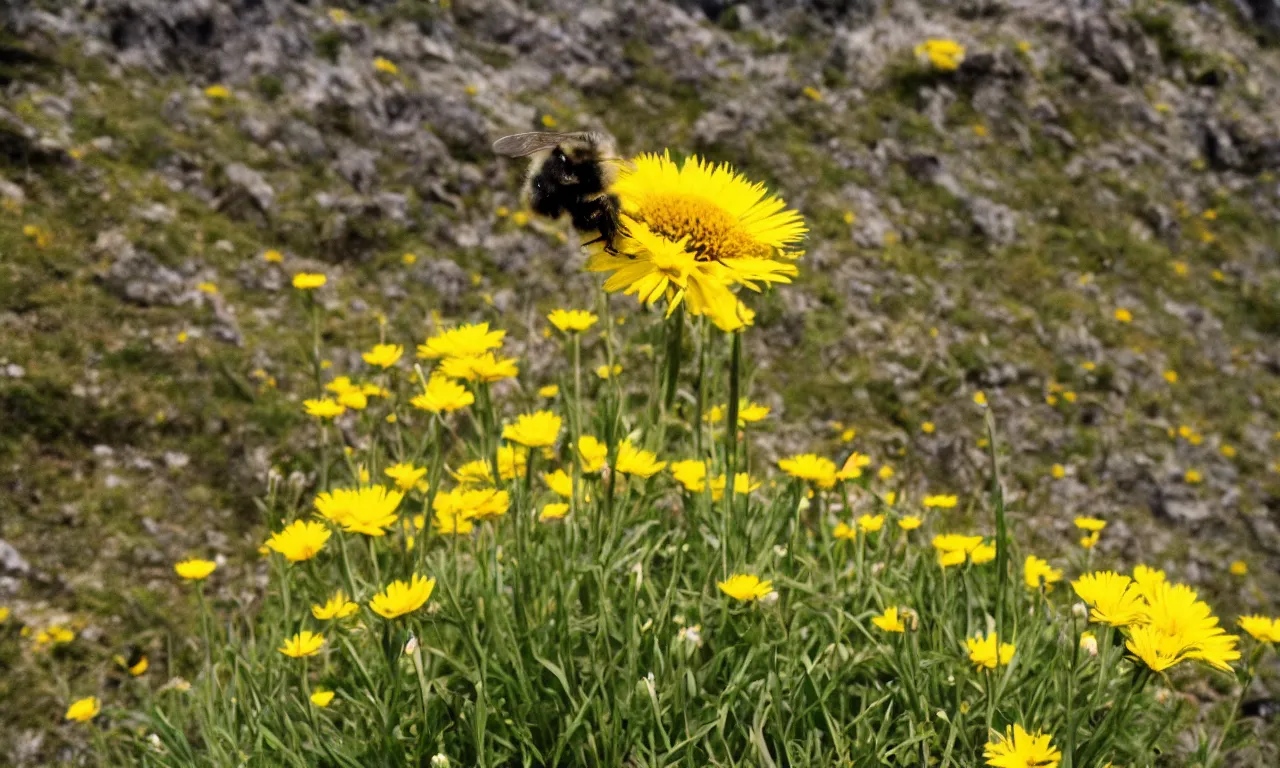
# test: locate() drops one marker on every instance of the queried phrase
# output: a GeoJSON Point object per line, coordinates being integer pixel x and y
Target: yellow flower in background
{"type": "Point", "coordinates": [811, 468]}
{"type": "Point", "coordinates": [572, 320]}
{"type": "Point", "coordinates": [982, 554]}
{"type": "Point", "coordinates": [1058, 471]}
{"type": "Point", "coordinates": [1090, 541]}
{"type": "Point", "coordinates": [592, 454]}
{"type": "Point", "coordinates": [218, 92]}
{"type": "Point", "coordinates": [308, 281]}
{"type": "Point", "coordinates": [325, 408]}
{"type": "Point", "coordinates": [638, 462]}
{"type": "Point", "coordinates": [54, 634]}
{"type": "Point", "coordinates": [534, 430]}
{"type": "Point", "coordinates": [553, 511]}
{"type": "Point", "coordinates": [955, 542]}
{"type": "Point", "coordinates": [1123, 315]}
{"type": "Point", "coordinates": [1239, 568]}
{"type": "Point", "coordinates": [885, 472]}
{"type": "Point", "coordinates": [853, 466]}
{"type": "Point", "coordinates": [370, 510]}
{"type": "Point", "coordinates": [4, 614]}
{"type": "Point", "coordinates": [472, 504]}
{"type": "Point", "coordinates": [742, 586]}
{"type": "Point", "coordinates": [942, 54]}
{"type": "Point", "coordinates": [449, 519]}
{"type": "Point", "coordinates": [384, 355]}
{"type": "Point", "coordinates": [195, 569]}
{"type": "Point", "coordinates": [385, 66]}
{"type": "Point", "coordinates": [845, 531]}
{"type": "Point", "coordinates": [987, 653]}
{"type": "Point", "coordinates": [889, 621]}
{"type": "Point", "coordinates": [606, 373]}
{"type": "Point", "coordinates": [1020, 749]}
{"type": "Point", "coordinates": [336, 607]}
{"type": "Point", "coordinates": [1037, 572]}
{"type": "Point", "coordinates": [273, 256]}
{"type": "Point", "coordinates": [941, 501]}
{"type": "Point", "coordinates": [870, 523]}
{"type": "Point", "coordinates": [335, 505]}
{"type": "Point", "coordinates": [980, 398]}
{"type": "Point", "coordinates": [300, 540]}
{"type": "Point", "coordinates": [354, 399]}
{"type": "Point", "coordinates": [559, 483]}
{"type": "Point", "coordinates": [302, 645]}
{"type": "Point", "coordinates": [402, 597]}
{"type": "Point", "coordinates": [207, 288]}
{"type": "Point", "coordinates": [950, 557]}
{"type": "Point", "coordinates": [485, 368]}
{"type": "Point", "coordinates": [1171, 376]}
{"type": "Point", "coordinates": [910, 523]}
{"type": "Point", "coordinates": [549, 391]}
{"type": "Point", "coordinates": [1193, 477]}
{"type": "Point", "coordinates": [1261, 628]}
{"type": "Point", "coordinates": [1091, 524]}
{"type": "Point", "coordinates": [928, 428]}
{"type": "Point", "coordinates": [322, 698]}
{"type": "Point", "coordinates": [1112, 598]}
{"type": "Point", "coordinates": [442, 395]}
{"type": "Point", "coordinates": [406, 475]}
{"type": "Point", "coordinates": [462, 341]}
{"type": "Point", "coordinates": [136, 669]}
{"type": "Point", "coordinates": [690, 473]}
{"type": "Point", "coordinates": [83, 710]}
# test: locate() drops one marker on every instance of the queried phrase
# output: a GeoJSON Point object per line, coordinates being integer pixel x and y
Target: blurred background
{"type": "Point", "coordinates": [1070, 206]}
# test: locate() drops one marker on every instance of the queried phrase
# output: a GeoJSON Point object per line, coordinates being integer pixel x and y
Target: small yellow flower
{"type": "Point", "coordinates": [534, 430]}
{"type": "Point", "coordinates": [483, 368]}
{"type": "Point", "coordinates": [870, 523]}
{"type": "Point", "coordinates": [194, 569]}
{"type": "Point", "coordinates": [338, 16]}
{"type": "Point", "coordinates": [987, 653]}
{"type": "Point", "coordinates": [83, 710]}
{"type": "Point", "coordinates": [306, 281]}
{"type": "Point", "coordinates": [941, 501]}
{"type": "Point", "coordinates": [928, 428]}
{"type": "Point", "coordinates": [1218, 276]}
{"type": "Point", "coordinates": [1171, 376]}
{"type": "Point", "coordinates": [1089, 366]}
{"type": "Point", "coordinates": [849, 217]}
{"type": "Point", "coordinates": [1020, 749]}
{"type": "Point", "coordinates": [549, 121]}
{"type": "Point", "coordinates": [811, 468]}
{"type": "Point", "coordinates": [980, 398]}
{"type": "Point", "coordinates": [853, 466]}
{"type": "Point", "coordinates": [605, 372]}
{"type": "Point", "coordinates": [400, 597]}
{"type": "Point", "coordinates": [53, 635]}
{"type": "Point", "coordinates": [302, 645]}
{"type": "Point", "coordinates": [462, 341]}
{"type": "Point", "coordinates": [4, 614]}
{"type": "Point", "coordinates": [1090, 524]}
{"type": "Point", "coordinates": [948, 558]}
{"type": "Point", "coordinates": [1123, 315]}
{"type": "Point", "coordinates": [549, 391]}
{"type": "Point", "coordinates": [1209, 215]}
{"type": "Point", "coordinates": [406, 475]}
{"type": "Point", "coordinates": [941, 54]}
{"type": "Point", "coordinates": [1192, 477]}
{"type": "Point", "coordinates": [553, 511]}
{"type": "Point", "coordinates": [746, 587]}
{"type": "Point", "coordinates": [1180, 268]}
{"type": "Point", "coordinates": [1069, 396]}
{"type": "Point", "coordinates": [385, 65]}
{"type": "Point", "coordinates": [1058, 471]}
{"type": "Point", "coordinates": [183, 337]}
{"type": "Point", "coordinates": [634, 461]}
{"type": "Point", "coordinates": [1261, 628]}
{"type": "Point", "coordinates": [980, 130]}
{"type": "Point", "coordinates": [326, 408]}
{"type": "Point", "coordinates": [384, 355]}
{"type": "Point", "coordinates": [442, 395]}
{"type": "Point", "coordinates": [336, 607]}
{"type": "Point", "coordinates": [207, 288]}
{"type": "Point", "coordinates": [1239, 568]}
{"type": "Point", "coordinates": [559, 482]}
{"type": "Point", "coordinates": [520, 218]}
{"type": "Point", "coordinates": [811, 93]}
{"type": "Point", "coordinates": [885, 472]}
{"type": "Point", "coordinates": [910, 523]}
{"type": "Point", "coordinates": [592, 453]}
{"type": "Point", "coordinates": [322, 698]}
{"type": "Point", "coordinates": [354, 399]}
{"type": "Point", "coordinates": [300, 540]}
{"type": "Point", "coordinates": [845, 531]}
{"type": "Point", "coordinates": [1228, 451]}
{"type": "Point", "coordinates": [890, 497]}
{"type": "Point", "coordinates": [572, 320]}
{"type": "Point", "coordinates": [889, 621]}
{"type": "Point", "coordinates": [1090, 541]}
{"type": "Point", "coordinates": [273, 256]}
{"type": "Point", "coordinates": [982, 554]}
{"type": "Point", "coordinates": [1037, 572]}
{"type": "Point", "coordinates": [218, 92]}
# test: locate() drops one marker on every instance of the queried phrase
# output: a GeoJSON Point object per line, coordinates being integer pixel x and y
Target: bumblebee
{"type": "Point", "coordinates": [571, 173]}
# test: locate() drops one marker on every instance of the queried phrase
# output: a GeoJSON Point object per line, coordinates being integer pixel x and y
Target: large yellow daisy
{"type": "Point", "coordinates": [694, 230]}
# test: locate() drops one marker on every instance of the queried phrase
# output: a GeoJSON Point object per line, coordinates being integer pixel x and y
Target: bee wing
{"type": "Point", "coordinates": [521, 144]}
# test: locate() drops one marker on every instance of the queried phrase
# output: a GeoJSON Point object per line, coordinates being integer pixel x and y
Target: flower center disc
{"type": "Point", "coordinates": [714, 233]}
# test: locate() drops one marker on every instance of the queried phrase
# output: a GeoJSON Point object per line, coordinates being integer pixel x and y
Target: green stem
{"type": "Point", "coordinates": [1002, 533]}
{"type": "Point", "coordinates": [731, 441]}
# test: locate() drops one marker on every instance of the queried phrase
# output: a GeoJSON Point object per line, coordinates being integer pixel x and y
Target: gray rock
{"type": "Point", "coordinates": [994, 221]}
{"type": "Point", "coordinates": [359, 167]}
{"type": "Point", "coordinates": [11, 561]}
{"type": "Point", "coordinates": [244, 181]}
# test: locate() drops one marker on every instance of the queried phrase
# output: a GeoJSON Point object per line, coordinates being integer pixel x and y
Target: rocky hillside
{"type": "Point", "coordinates": [1080, 222]}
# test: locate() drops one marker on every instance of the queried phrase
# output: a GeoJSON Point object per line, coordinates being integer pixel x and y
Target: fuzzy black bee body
{"type": "Point", "coordinates": [570, 173]}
